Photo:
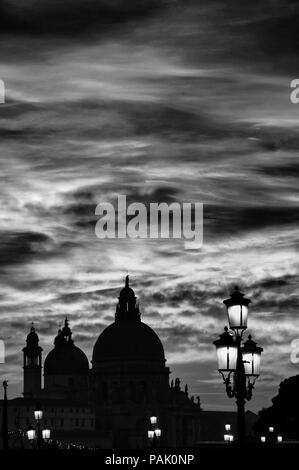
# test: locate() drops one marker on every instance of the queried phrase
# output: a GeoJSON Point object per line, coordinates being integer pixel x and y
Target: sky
{"type": "Point", "coordinates": [163, 101]}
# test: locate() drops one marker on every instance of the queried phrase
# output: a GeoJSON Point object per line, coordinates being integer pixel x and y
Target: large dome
{"type": "Point", "coordinates": [128, 341]}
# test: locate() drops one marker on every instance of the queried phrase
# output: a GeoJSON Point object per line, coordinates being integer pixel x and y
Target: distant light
{"type": "Point", "coordinates": [231, 438]}
{"type": "Point", "coordinates": [153, 419]}
{"type": "Point", "coordinates": [158, 432]}
{"type": "Point", "coordinates": [38, 414]}
{"type": "Point", "coordinates": [227, 437]}
{"type": "Point", "coordinates": [227, 427]}
{"type": "Point", "coordinates": [150, 434]}
{"type": "Point", "coordinates": [46, 433]}
{"type": "Point", "coordinates": [31, 434]}
{"type": "Point", "coordinates": [279, 439]}
{"type": "Point", "coordinates": [263, 439]}
{"type": "Point", "coordinates": [271, 429]}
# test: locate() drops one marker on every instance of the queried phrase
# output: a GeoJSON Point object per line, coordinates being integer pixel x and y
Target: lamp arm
{"type": "Point", "coordinates": [230, 391]}
{"type": "Point", "coordinates": [249, 389]}
{"type": "Point", "coordinates": [228, 386]}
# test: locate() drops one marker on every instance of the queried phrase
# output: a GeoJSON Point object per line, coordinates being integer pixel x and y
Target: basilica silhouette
{"type": "Point", "coordinates": [110, 404]}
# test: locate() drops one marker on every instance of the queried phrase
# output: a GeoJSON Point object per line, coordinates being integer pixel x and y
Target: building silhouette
{"type": "Point", "coordinates": [108, 405]}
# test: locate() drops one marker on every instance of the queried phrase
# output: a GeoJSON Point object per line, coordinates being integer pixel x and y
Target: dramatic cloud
{"type": "Point", "coordinates": [70, 15]}
{"type": "Point", "coordinates": [188, 103]}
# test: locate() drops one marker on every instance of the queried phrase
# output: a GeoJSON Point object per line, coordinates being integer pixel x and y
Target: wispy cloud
{"type": "Point", "coordinates": [167, 106]}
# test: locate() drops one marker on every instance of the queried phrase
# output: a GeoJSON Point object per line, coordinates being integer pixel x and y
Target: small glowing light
{"type": "Point", "coordinates": [271, 429]}
{"type": "Point", "coordinates": [158, 432]}
{"type": "Point", "coordinates": [38, 414]}
{"type": "Point", "coordinates": [150, 434]}
{"type": "Point", "coordinates": [31, 434]}
{"type": "Point", "coordinates": [227, 427]}
{"type": "Point", "coordinates": [231, 438]}
{"type": "Point", "coordinates": [279, 439]}
{"type": "Point", "coordinates": [227, 437]}
{"type": "Point", "coordinates": [153, 419]}
{"type": "Point", "coordinates": [263, 439]}
{"type": "Point", "coordinates": [46, 433]}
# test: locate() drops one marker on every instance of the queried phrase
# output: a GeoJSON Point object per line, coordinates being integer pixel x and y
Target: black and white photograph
{"type": "Point", "coordinates": [149, 229]}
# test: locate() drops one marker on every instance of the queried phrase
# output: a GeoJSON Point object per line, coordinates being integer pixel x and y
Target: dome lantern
{"type": "Point", "coordinates": [66, 331]}
{"type": "Point", "coordinates": [127, 308]}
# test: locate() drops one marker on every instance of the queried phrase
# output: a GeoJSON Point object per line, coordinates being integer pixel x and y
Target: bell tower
{"type": "Point", "coordinates": [32, 365]}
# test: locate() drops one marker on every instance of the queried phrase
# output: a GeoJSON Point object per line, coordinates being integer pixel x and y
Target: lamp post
{"type": "Point", "coordinates": [154, 434]}
{"type": "Point", "coordinates": [238, 364]}
{"type": "Point", "coordinates": [4, 418]}
{"type": "Point", "coordinates": [39, 435]}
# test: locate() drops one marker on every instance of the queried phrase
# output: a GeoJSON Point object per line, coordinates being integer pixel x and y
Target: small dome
{"type": "Point", "coordinates": [32, 337]}
{"type": "Point", "coordinates": [66, 360]}
{"type": "Point", "coordinates": [125, 341]}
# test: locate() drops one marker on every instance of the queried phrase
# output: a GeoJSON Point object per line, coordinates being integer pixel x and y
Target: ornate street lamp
{"type": "Point", "coordinates": [227, 353]}
{"type": "Point", "coordinates": [39, 435]}
{"type": "Point", "coordinates": [239, 365]}
{"type": "Point", "coordinates": [251, 354]}
{"type": "Point", "coordinates": [237, 311]}
{"type": "Point", "coordinates": [154, 434]}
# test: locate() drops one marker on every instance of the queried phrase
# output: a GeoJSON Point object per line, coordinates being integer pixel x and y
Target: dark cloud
{"type": "Point", "coordinates": [282, 171]}
{"type": "Point", "coordinates": [222, 221]}
{"type": "Point", "coordinates": [19, 247]}
{"type": "Point", "coordinates": [48, 16]}
{"type": "Point", "coordinates": [273, 283]}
